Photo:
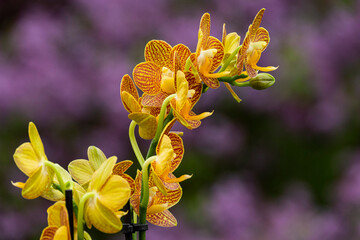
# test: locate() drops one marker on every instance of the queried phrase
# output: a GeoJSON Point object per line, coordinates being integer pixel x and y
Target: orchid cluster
{"type": "Point", "coordinates": [172, 80]}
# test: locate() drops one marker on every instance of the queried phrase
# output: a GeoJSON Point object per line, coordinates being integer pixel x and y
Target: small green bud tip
{"type": "Point", "coordinates": [262, 81]}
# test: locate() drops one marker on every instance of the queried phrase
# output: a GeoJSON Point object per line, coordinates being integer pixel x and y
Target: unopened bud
{"type": "Point", "coordinates": [262, 81]}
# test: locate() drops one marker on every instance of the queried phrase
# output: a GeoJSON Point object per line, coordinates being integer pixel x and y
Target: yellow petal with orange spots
{"type": "Point", "coordinates": [256, 24]}
{"type": "Point", "coordinates": [154, 100]}
{"type": "Point", "coordinates": [121, 167]}
{"type": "Point", "coordinates": [158, 52]}
{"type": "Point", "coordinates": [127, 85]}
{"type": "Point", "coordinates": [262, 35]}
{"type": "Point", "coordinates": [183, 53]}
{"type": "Point", "coordinates": [147, 76]}
{"type": "Point", "coordinates": [48, 233]}
{"type": "Point", "coordinates": [178, 147]}
{"type": "Point", "coordinates": [204, 32]}
{"type": "Point", "coordinates": [162, 219]}
{"type": "Point", "coordinates": [214, 43]}
{"type": "Point", "coordinates": [147, 124]}
{"type": "Point", "coordinates": [172, 197]}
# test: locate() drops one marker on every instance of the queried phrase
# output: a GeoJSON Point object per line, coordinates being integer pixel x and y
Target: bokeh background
{"type": "Point", "coordinates": [283, 164]}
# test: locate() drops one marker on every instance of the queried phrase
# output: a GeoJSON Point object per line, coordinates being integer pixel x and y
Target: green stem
{"type": "Point", "coordinates": [144, 201]}
{"type": "Point", "coordinates": [80, 217]}
{"type": "Point", "coordinates": [230, 58]}
{"type": "Point", "coordinates": [232, 80]}
{"type": "Point", "coordinates": [160, 126]}
{"type": "Point", "coordinates": [58, 175]}
{"type": "Point", "coordinates": [134, 144]}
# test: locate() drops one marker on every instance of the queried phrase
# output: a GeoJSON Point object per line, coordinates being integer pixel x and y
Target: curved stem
{"type": "Point", "coordinates": [58, 175]}
{"type": "Point", "coordinates": [232, 80]}
{"type": "Point", "coordinates": [80, 216]}
{"type": "Point", "coordinates": [134, 144]}
{"type": "Point", "coordinates": [230, 58]}
{"type": "Point", "coordinates": [160, 126]}
{"type": "Point", "coordinates": [144, 201]}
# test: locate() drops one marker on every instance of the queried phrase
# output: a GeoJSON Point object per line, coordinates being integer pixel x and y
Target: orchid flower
{"type": "Point", "coordinates": [256, 40]}
{"type": "Point", "coordinates": [182, 104]}
{"type": "Point", "coordinates": [208, 56]}
{"type": "Point", "coordinates": [31, 159]}
{"type": "Point", "coordinates": [157, 210]}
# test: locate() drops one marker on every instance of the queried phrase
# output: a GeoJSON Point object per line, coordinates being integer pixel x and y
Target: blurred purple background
{"type": "Point", "coordinates": [283, 164]}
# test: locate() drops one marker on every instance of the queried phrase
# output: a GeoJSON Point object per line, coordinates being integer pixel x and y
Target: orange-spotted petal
{"type": "Point", "coordinates": [121, 167]}
{"type": "Point", "coordinates": [154, 100]}
{"type": "Point", "coordinates": [262, 35]}
{"type": "Point", "coordinates": [256, 24]}
{"type": "Point", "coordinates": [147, 76]}
{"type": "Point", "coordinates": [127, 85]}
{"type": "Point", "coordinates": [214, 43]}
{"type": "Point", "coordinates": [158, 52]}
{"type": "Point", "coordinates": [204, 32]}
{"type": "Point", "coordinates": [162, 219]}
{"type": "Point", "coordinates": [183, 53]}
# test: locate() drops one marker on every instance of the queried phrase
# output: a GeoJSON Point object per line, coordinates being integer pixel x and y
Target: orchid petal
{"type": "Point", "coordinates": [115, 193]}
{"type": "Point", "coordinates": [81, 171]}
{"type": "Point", "coordinates": [101, 217]}
{"type": "Point", "coordinates": [147, 76]}
{"type": "Point", "coordinates": [162, 219]}
{"type": "Point", "coordinates": [26, 159]}
{"type": "Point", "coordinates": [158, 51]}
{"type": "Point", "coordinates": [102, 174]}
{"type": "Point", "coordinates": [147, 124]}
{"type": "Point", "coordinates": [62, 233]}
{"type": "Point", "coordinates": [130, 103]}
{"type": "Point", "coordinates": [36, 141]}
{"type": "Point", "coordinates": [127, 85]}
{"type": "Point", "coordinates": [121, 167]}
{"type": "Point", "coordinates": [96, 157]}
{"type": "Point", "coordinates": [38, 183]}
{"type": "Point", "coordinates": [214, 43]}
{"type": "Point", "coordinates": [183, 53]}
{"type": "Point", "coordinates": [256, 24]}
{"type": "Point", "coordinates": [48, 233]}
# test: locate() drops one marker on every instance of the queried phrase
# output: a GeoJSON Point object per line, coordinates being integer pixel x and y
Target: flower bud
{"type": "Point", "coordinates": [262, 81]}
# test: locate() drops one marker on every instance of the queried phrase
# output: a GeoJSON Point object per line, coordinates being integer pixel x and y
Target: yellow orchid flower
{"type": "Point", "coordinates": [157, 76]}
{"type": "Point", "coordinates": [256, 40]}
{"type": "Point", "coordinates": [157, 210]}
{"type": "Point", "coordinates": [208, 56]}
{"type": "Point", "coordinates": [82, 170]}
{"type": "Point", "coordinates": [30, 158]}
{"type": "Point", "coordinates": [58, 224]}
{"type": "Point", "coordinates": [145, 117]}
{"type": "Point", "coordinates": [105, 196]}
{"type": "Point", "coordinates": [169, 153]}
{"type": "Point", "coordinates": [182, 104]}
